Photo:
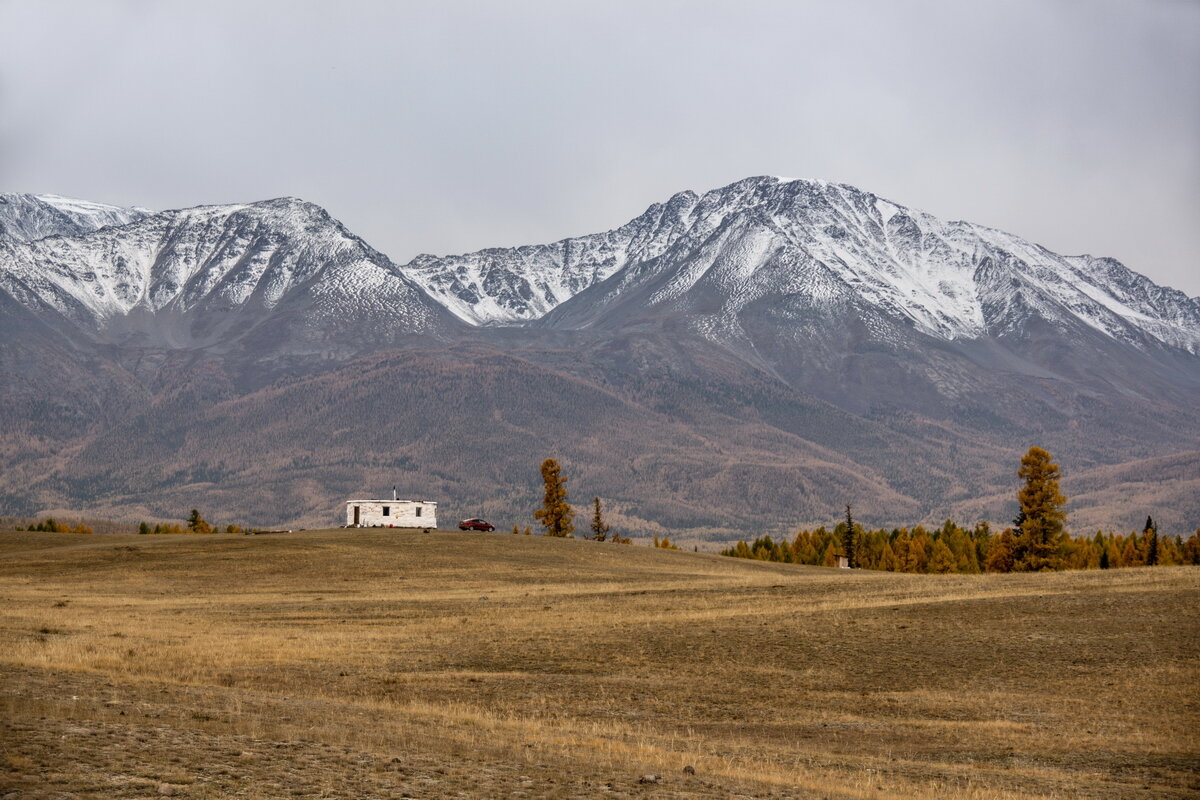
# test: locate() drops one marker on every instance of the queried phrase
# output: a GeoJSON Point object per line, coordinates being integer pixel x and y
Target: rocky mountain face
{"type": "Point", "coordinates": [26, 217]}
{"type": "Point", "coordinates": [269, 281]}
{"type": "Point", "coordinates": [720, 255]}
{"type": "Point", "coordinates": [743, 360]}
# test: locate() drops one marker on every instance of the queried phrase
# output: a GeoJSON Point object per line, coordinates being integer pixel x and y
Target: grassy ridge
{"type": "Point", "coordinates": [393, 662]}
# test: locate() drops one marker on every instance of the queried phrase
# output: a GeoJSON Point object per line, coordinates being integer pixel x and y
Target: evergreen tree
{"type": "Point", "coordinates": [887, 561]}
{"type": "Point", "coordinates": [941, 560]}
{"type": "Point", "coordinates": [555, 513]}
{"type": "Point", "coordinates": [1170, 551]}
{"type": "Point", "coordinates": [968, 561]}
{"type": "Point", "coordinates": [981, 538]}
{"type": "Point", "coordinates": [917, 560]}
{"type": "Point", "coordinates": [599, 527]}
{"type": "Point", "coordinates": [1150, 542]}
{"type": "Point", "coordinates": [848, 543]}
{"type": "Point", "coordinates": [143, 528]}
{"type": "Point", "coordinates": [1000, 556]}
{"type": "Point", "coordinates": [1129, 554]}
{"type": "Point", "coordinates": [197, 524]}
{"type": "Point", "coordinates": [1042, 516]}
{"type": "Point", "coordinates": [901, 545]}
{"type": "Point", "coordinates": [1191, 549]}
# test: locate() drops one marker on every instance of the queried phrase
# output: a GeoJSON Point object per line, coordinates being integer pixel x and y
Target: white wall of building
{"type": "Point", "coordinates": [392, 513]}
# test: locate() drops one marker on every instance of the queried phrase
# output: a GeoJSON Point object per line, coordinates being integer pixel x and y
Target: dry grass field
{"type": "Point", "coordinates": [383, 664]}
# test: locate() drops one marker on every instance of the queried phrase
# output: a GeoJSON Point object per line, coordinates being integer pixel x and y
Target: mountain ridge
{"type": "Point", "coordinates": [209, 262]}
{"type": "Point", "coordinates": [725, 362]}
{"type": "Point", "coordinates": [516, 286]}
{"type": "Point", "coordinates": [950, 303]}
{"type": "Point", "coordinates": [28, 217]}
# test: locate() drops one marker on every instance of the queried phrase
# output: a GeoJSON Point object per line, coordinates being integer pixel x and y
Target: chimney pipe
{"type": "Point", "coordinates": [394, 498]}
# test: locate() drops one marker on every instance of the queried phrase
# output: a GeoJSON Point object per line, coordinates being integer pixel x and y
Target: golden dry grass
{"type": "Point", "coordinates": [391, 664]}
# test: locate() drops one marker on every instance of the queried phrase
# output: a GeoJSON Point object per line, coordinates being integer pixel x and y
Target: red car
{"type": "Point", "coordinates": [476, 525]}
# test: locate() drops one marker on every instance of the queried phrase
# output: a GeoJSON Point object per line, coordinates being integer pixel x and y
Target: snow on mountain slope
{"type": "Point", "coordinates": [503, 286]}
{"type": "Point", "coordinates": [764, 237]}
{"type": "Point", "coordinates": [712, 258]}
{"type": "Point", "coordinates": [27, 217]}
{"type": "Point", "coordinates": [214, 260]}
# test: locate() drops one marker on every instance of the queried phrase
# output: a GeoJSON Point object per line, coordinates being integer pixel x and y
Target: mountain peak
{"type": "Point", "coordinates": [711, 256]}
{"type": "Point", "coordinates": [179, 278]}
{"type": "Point", "coordinates": [772, 336]}
{"type": "Point", "coordinates": [29, 217]}
{"type": "Point", "coordinates": [713, 260]}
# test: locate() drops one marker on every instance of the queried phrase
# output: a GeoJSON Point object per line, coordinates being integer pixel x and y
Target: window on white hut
{"type": "Point", "coordinates": [419, 510]}
{"type": "Point", "coordinates": [386, 510]}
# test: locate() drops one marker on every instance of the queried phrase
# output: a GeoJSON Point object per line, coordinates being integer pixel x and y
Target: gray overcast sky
{"type": "Point", "coordinates": [445, 127]}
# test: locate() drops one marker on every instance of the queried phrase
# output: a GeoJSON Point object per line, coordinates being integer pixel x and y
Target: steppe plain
{"type": "Point", "coordinates": [390, 664]}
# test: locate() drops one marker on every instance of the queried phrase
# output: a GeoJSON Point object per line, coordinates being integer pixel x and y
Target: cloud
{"type": "Point", "coordinates": [446, 127]}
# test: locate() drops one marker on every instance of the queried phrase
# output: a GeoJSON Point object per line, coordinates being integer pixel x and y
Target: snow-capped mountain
{"type": "Point", "coordinates": [710, 259]}
{"type": "Point", "coordinates": [715, 255]}
{"type": "Point", "coordinates": [756, 355]}
{"type": "Point", "coordinates": [178, 278]}
{"type": "Point", "coordinates": [510, 286]}
{"type": "Point", "coordinates": [26, 217]}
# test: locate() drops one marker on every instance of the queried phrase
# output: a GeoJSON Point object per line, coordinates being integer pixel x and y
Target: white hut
{"type": "Point", "coordinates": [394, 513]}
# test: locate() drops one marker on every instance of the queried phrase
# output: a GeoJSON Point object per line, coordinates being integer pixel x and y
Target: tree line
{"type": "Point", "coordinates": [48, 525]}
{"type": "Point", "coordinates": [953, 549]}
{"type": "Point", "coordinates": [1036, 541]}
{"type": "Point", "coordinates": [195, 524]}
